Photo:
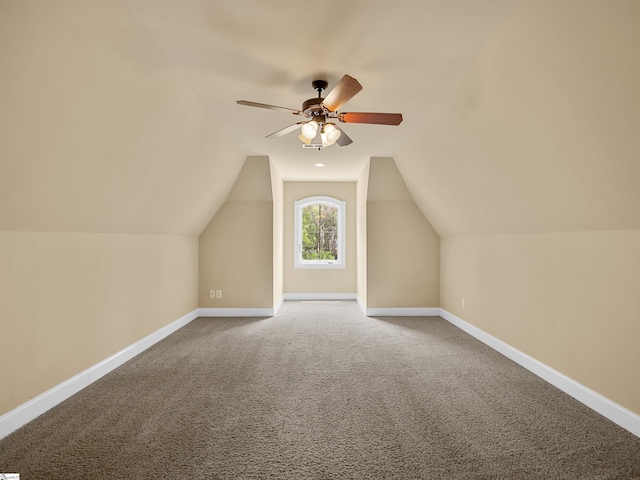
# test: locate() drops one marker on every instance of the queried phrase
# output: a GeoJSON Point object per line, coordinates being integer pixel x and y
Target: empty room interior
{"type": "Point", "coordinates": [154, 169]}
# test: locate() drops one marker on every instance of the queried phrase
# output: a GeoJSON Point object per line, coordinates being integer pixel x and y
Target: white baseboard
{"type": "Point", "coordinates": [369, 312]}
{"type": "Point", "coordinates": [402, 312]}
{"type": "Point", "coordinates": [278, 305]}
{"type": "Point", "coordinates": [235, 312]}
{"type": "Point", "coordinates": [616, 413]}
{"type": "Point", "coordinates": [20, 416]}
{"type": "Point", "coordinates": [319, 296]}
{"type": "Point", "coordinates": [363, 307]}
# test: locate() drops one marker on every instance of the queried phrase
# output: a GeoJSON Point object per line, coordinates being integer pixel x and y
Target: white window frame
{"type": "Point", "coordinates": [341, 206]}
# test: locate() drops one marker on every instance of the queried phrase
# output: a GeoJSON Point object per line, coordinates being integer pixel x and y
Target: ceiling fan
{"type": "Point", "coordinates": [319, 131]}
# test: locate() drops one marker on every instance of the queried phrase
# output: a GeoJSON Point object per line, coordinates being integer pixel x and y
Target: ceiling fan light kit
{"type": "Point", "coordinates": [317, 131]}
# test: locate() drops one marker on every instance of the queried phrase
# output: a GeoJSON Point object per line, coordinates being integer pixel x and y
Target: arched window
{"type": "Point", "coordinates": [319, 228]}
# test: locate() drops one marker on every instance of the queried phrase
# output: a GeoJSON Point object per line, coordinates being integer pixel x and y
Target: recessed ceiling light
{"type": "Point", "coordinates": [319, 164]}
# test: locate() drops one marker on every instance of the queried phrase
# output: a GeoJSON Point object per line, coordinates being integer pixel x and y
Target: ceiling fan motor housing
{"type": "Point", "coordinates": [313, 107]}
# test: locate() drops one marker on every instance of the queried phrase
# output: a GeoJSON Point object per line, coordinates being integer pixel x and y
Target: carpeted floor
{"type": "Point", "coordinates": [321, 392]}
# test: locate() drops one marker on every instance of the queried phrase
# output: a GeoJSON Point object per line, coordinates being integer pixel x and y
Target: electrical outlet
{"type": "Point", "coordinates": [462, 304]}
{"type": "Point", "coordinates": [218, 293]}
{"type": "Point", "coordinates": [212, 294]}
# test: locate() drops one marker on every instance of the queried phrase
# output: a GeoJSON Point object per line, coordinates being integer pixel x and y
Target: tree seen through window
{"type": "Point", "coordinates": [319, 232]}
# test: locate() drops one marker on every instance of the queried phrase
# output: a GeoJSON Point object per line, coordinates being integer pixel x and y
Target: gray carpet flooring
{"type": "Point", "coordinates": [321, 392]}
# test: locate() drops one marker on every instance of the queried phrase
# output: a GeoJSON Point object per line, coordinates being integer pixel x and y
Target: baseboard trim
{"type": "Point", "coordinates": [402, 312]}
{"type": "Point", "coordinates": [278, 305]}
{"type": "Point", "coordinates": [236, 312]}
{"type": "Point", "coordinates": [616, 413]}
{"type": "Point", "coordinates": [363, 307]}
{"type": "Point", "coordinates": [369, 312]}
{"type": "Point", "coordinates": [319, 296]}
{"type": "Point", "coordinates": [20, 416]}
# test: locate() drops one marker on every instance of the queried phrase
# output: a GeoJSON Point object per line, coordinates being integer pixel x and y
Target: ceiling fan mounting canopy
{"type": "Point", "coordinates": [319, 85]}
{"type": "Point", "coordinates": [319, 109]}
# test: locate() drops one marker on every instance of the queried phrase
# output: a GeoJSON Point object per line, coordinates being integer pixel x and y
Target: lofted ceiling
{"type": "Point", "coordinates": [120, 116]}
{"type": "Point", "coordinates": [404, 55]}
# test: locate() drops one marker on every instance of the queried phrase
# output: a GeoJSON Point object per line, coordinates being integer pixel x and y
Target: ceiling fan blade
{"type": "Point", "coordinates": [344, 91]}
{"type": "Point", "coordinates": [371, 118]}
{"type": "Point", "coordinates": [344, 139]}
{"type": "Point", "coordinates": [285, 130]}
{"type": "Point", "coordinates": [269, 107]}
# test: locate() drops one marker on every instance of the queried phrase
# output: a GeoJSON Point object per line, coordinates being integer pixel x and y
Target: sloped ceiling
{"type": "Point", "coordinates": [99, 131]}
{"type": "Point", "coordinates": [541, 133]}
{"type": "Point", "coordinates": [120, 116]}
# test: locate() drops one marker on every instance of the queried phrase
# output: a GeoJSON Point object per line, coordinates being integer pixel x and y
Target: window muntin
{"type": "Point", "coordinates": [319, 233]}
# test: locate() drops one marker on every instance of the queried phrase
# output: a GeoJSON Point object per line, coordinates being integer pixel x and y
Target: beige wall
{"type": "Point", "coordinates": [277, 187]}
{"type": "Point", "coordinates": [569, 300]}
{"type": "Point", "coordinates": [70, 300]}
{"type": "Point", "coordinates": [530, 175]}
{"type": "Point", "coordinates": [403, 249]}
{"type": "Point", "coordinates": [362, 186]}
{"type": "Point", "coordinates": [236, 248]}
{"type": "Point", "coordinates": [313, 280]}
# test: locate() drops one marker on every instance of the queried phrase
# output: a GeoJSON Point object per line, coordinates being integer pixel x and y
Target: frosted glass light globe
{"type": "Point", "coordinates": [331, 132]}
{"type": "Point", "coordinates": [309, 129]}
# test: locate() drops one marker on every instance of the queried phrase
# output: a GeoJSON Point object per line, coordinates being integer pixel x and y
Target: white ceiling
{"type": "Point", "coordinates": [405, 54]}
